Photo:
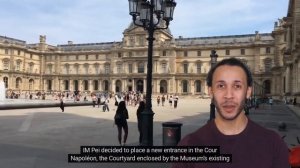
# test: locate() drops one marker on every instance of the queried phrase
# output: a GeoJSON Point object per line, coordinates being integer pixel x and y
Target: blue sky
{"type": "Point", "coordinates": [93, 21]}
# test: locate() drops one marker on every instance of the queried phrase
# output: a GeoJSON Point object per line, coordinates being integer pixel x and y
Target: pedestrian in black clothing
{"type": "Point", "coordinates": [121, 117]}
{"type": "Point", "coordinates": [62, 105]}
{"type": "Point", "coordinates": [139, 119]}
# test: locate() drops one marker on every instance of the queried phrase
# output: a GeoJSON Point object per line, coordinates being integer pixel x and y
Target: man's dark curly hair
{"type": "Point", "coordinates": [231, 62]}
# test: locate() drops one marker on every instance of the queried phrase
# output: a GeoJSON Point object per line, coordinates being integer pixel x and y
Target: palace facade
{"type": "Point", "coordinates": [180, 65]}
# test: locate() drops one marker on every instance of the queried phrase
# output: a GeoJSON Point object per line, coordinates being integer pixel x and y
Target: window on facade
{"type": "Point", "coordinates": [6, 51]}
{"type": "Point", "coordinates": [141, 67]}
{"type": "Point", "coordinates": [130, 54]}
{"type": "Point", "coordinates": [76, 57]}
{"type": "Point", "coordinates": [86, 57]}
{"type": "Point", "coordinates": [30, 68]}
{"type": "Point", "coordinates": [67, 69]}
{"type": "Point", "coordinates": [6, 64]}
{"type": "Point", "coordinates": [198, 86]}
{"type": "Point", "coordinates": [198, 67]}
{"type": "Point", "coordinates": [227, 52]}
{"type": "Point", "coordinates": [164, 53]}
{"type": "Point", "coordinates": [50, 68]}
{"type": "Point", "coordinates": [86, 85]}
{"type": "Point", "coordinates": [268, 50]}
{"type": "Point", "coordinates": [76, 69]}
{"type": "Point", "coordinates": [18, 66]}
{"type": "Point", "coordinates": [19, 52]}
{"type": "Point", "coordinates": [184, 86]}
{"type": "Point", "coordinates": [268, 64]}
{"type": "Point", "coordinates": [164, 67]}
{"type": "Point", "coordinates": [97, 56]}
{"type": "Point", "coordinates": [185, 68]}
{"type": "Point", "coordinates": [185, 53]}
{"type": "Point", "coordinates": [31, 84]}
{"type": "Point", "coordinates": [5, 80]}
{"type": "Point", "coordinates": [66, 85]}
{"type": "Point", "coordinates": [119, 55]}
{"type": "Point", "coordinates": [141, 40]}
{"type": "Point", "coordinates": [97, 68]}
{"type": "Point", "coordinates": [107, 69]}
{"type": "Point", "coordinates": [86, 68]}
{"type": "Point", "coordinates": [242, 51]}
{"type": "Point", "coordinates": [198, 53]}
{"type": "Point", "coordinates": [49, 82]}
{"type": "Point", "coordinates": [18, 82]}
{"type": "Point", "coordinates": [30, 56]}
{"type": "Point", "coordinates": [96, 85]}
{"type": "Point", "coordinates": [131, 41]}
{"type": "Point", "coordinates": [119, 68]}
{"type": "Point", "coordinates": [130, 68]}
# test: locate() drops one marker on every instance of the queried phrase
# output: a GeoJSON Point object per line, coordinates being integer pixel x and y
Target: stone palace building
{"type": "Point", "coordinates": [180, 65]}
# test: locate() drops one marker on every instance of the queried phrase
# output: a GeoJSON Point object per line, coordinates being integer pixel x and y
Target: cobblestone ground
{"type": "Point", "coordinates": [43, 137]}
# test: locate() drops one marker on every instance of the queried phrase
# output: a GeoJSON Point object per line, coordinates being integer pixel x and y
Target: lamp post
{"type": "Point", "coordinates": [151, 15]}
{"type": "Point", "coordinates": [213, 62]}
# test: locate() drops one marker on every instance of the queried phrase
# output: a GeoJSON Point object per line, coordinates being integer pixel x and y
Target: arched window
{"type": "Point", "coordinates": [184, 86]}
{"type": "Point", "coordinates": [198, 86]}
{"type": "Point", "coordinates": [18, 83]}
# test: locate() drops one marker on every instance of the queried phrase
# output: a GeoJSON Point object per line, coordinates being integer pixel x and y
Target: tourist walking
{"type": "Point", "coordinates": [62, 104]}
{"type": "Point", "coordinates": [139, 119]}
{"type": "Point", "coordinates": [163, 99]}
{"type": "Point", "coordinates": [120, 118]}
{"type": "Point", "coordinates": [175, 101]}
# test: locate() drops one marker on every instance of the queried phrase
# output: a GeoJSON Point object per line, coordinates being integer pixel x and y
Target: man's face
{"type": "Point", "coordinates": [229, 91]}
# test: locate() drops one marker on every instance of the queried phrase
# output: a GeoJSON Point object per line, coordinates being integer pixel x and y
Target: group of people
{"type": "Point", "coordinates": [170, 99]}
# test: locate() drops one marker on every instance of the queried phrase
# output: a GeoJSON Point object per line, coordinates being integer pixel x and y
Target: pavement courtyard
{"type": "Point", "coordinates": [43, 137]}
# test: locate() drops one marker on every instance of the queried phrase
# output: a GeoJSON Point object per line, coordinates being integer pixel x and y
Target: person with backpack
{"type": "Point", "coordinates": [120, 118]}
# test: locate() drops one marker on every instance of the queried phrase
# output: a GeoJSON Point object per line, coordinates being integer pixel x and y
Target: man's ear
{"type": "Point", "coordinates": [249, 92]}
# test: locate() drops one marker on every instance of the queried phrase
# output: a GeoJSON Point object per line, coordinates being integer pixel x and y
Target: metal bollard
{"type": "Point", "coordinates": [171, 133]}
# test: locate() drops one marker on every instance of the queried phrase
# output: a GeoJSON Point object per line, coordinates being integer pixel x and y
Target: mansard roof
{"type": "Point", "coordinates": [4, 39]}
{"type": "Point", "coordinates": [232, 39]}
{"type": "Point", "coordinates": [88, 46]}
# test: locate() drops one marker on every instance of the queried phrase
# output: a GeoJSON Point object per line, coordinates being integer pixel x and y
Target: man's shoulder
{"type": "Point", "coordinates": [198, 137]}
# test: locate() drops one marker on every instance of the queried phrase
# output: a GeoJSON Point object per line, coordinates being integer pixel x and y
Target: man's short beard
{"type": "Point", "coordinates": [239, 110]}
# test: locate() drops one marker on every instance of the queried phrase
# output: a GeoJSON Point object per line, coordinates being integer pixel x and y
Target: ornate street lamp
{"type": "Point", "coordinates": [151, 15]}
{"type": "Point", "coordinates": [213, 62]}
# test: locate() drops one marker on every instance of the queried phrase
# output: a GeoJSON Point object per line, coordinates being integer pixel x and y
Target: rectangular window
{"type": "Point", "coordinates": [119, 68]}
{"type": "Point", "coordinates": [141, 67]}
{"type": "Point", "coordinates": [130, 54]}
{"type": "Point", "coordinates": [129, 68]}
{"type": "Point", "coordinates": [227, 52]}
{"type": "Point", "coordinates": [164, 53]}
{"type": "Point", "coordinates": [18, 66]}
{"type": "Point", "coordinates": [19, 52]}
{"type": "Point", "coordinates": [30, 56]}
{"type": "Point", "coordinates": [76, 57]}
{"type": "Point", "coordinates": [67, 69]}
{"type": "Point", "coordinates": [198, 53]}
{"type": "Point", "coordinates": [198, 68]}
{"type": "Point", "coordinates": [30, 68]}
{"type": "Point", "coordinates": [107, 69]}
{"type": "Point", "coordinates": [97, 56]}
{"type": "Point", "coordinates": [86, 67]}
{"type": "Point", "coordinates": [185, 68]}
{"type": "Point", "coordinates": [242, 51]}
{"type": "Point", "coordinates": [6, 65]}
{"type": "Point", "coordinates": [77, 69]}
{"type": "Point", "coordinates": [6, 51]}
{"type": "Point", "coordinates": [185, 53]}
{"type": "Point", "coordinates": [86, 57]}
{"type": "Point", "coordinates": [119, 55]}
{"type": "Point", "coordinates": [164, 67]}
{"type": "Point", "coordinates": [50, 69]}
{"type": "Point", "coordinates": [268, 50]}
